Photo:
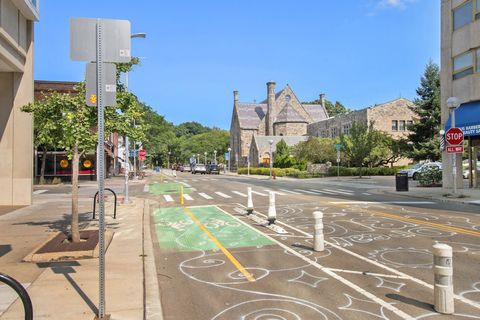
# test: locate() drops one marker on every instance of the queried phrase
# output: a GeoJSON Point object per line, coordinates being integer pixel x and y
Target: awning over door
{"type": "Point", "coordinates": [467, 118]}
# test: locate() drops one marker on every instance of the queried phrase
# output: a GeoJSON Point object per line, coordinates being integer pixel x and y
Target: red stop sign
{"type": "Point", "coordinates": [142, 153]}
{"type": "Point", "coordinates": [454, 136]}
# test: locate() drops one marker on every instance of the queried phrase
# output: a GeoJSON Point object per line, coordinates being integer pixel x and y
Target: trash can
{"type": "Point", "coordinates": [401, 181]}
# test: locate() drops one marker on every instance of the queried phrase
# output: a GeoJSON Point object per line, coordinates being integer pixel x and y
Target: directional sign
{"type": "Point", "coordinates": [110, 95]}
{"type": "Point", "coordinates": [455, 149]}
{"type": "Point", "coordinates": [454, 136]}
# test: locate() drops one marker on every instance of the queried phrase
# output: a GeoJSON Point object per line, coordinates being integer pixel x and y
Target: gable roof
{"type": "Point", "coordinates": [316, 111]}
{"type": "Point", "coordinates": [250, 114]}
{"type": "Point", "coordinates": [289, 114]}
{"type": "Point", "coordinates": [262, 142]}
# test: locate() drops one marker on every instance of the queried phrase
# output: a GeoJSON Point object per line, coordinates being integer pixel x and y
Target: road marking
{"type": "Point", "coordinates": [346, 282]}
{"type": "Point", "coordinates": [39, 191]}
{"type": "Point", "coordinates": [168, 198]}
{"type": "Point", "coordinates": [366, 194]}
{"type": "Point", "coordinates": [306, 191]}
{"type": "Point", "coordinates": [195, 180]}
{"type": "Point", "coordinates": [366, 273]}
{"type": "Point", "coordinates": [223, 195]}
{"type": "Point", "coordinates": [381, 202]}
{"type": "Point", "coordinates": [146, 188]}
{"type": "Point", "coordinates": [276, 192]}
{"type": "Point", "coordinates": [187, 197]}
{"type": "Point", "coordinates": [186, 184]}
{"type": "Point", "coordinates": [343, 190]}
{"type": "Point", "coordinates": [213, 179]}
{"type": "Point", "coordinates": [230, 257]}
{"type": "Point", "coordinates": [206, 196]}
{"type": "Point", "coordinates": [290, 191]}
{"type": "Point", "coordinates": [259, 193]}
{"type": "Point", "coordinates": [323, 191]}
{"type": "Point", "coordinates": [240, 194]}
{"type": "Point", "coordinates": [340, 191]}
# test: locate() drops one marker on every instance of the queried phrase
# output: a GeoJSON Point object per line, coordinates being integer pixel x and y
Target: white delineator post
{"type": "Point", "coordinates": [272, 212]}
{"type": "Point", "coordinates": [318, 239]}
{"type": "Point", "coordinates": [249, 201]}
{"type": "Point", "coordinates": [443, 283]}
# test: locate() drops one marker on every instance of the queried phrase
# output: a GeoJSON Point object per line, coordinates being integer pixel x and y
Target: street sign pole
{"type": "Point", "coordinates": [101, 169]}
{"type": "Point", "coordinates": [127, 164]}
{"type": "Point", "coordinates": [454, 161]}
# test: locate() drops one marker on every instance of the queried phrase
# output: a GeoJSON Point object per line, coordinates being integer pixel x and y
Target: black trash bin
{"type": "Point", "coordinates": [401, 181]}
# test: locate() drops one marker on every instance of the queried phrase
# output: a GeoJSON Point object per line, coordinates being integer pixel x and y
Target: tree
{"type": "Point", "coordinates": [359, 144]}
{"type": "Point", "coordinates": [424, 140]}
{"type": "Point", "coordinates": [315, 150]}
{"type": "Point", "coordinates": [283, 158]}
{"type": "Point", "coordinates": [190, 129]}
{"type": "Point", "coordinates": [205, 142]}
{"type": "Point", "coordinates": [386, 150]}
{"type": "Point", "coordinates": [333, 109]}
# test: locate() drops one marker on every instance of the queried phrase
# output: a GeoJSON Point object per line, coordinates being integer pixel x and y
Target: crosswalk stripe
{"type": "Point", "coordinates": [290, 191]}
{"type": "Point", "coordinates": [168, 198]}
{"type": "Point", "coordinates": [306, 191]}
{"type": "Point", "coordinates": [321, 191]}
{"type": "Point", "coordinates": [239, 193]}
{"type": "Point", "coordinates": [366, 194]}
{"type": "Point", "coordinates": [187, 197]}
{"type": "Point", "coordinates": [276, 192]}
{"type": "Point", "coordinates": [223, 195]}
{"type": "Point", "coordinates": [259, 193]}
{"type": "Point", "coordinates": [206, 196]}
{"type": "Point", "coordinates": [213, 179]}
{"type": "Point", "coordinates": [39, 191]}
{"type": "Point", "coordinates": [341, 192]}
{"type": "Point", "coordinates": [195, 180]}
{"type": "Point", "coordinates": [146, 188]}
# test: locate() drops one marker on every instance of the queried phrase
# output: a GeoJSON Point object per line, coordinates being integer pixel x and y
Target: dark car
{"type": "Point", "coordinates": [213, 169]}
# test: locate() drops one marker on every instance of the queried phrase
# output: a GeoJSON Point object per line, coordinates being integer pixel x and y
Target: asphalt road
{"type": "Point", "coordinates": [214, 262]}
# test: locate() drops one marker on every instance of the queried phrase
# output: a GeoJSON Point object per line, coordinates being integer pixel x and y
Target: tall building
{"type": "Point", "coordinates": [17, 19]}
{"type": "Point", "coordinates": [460, 78]}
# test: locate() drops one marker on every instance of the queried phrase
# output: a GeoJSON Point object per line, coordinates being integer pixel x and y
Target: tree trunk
{"type": "Point", "coordinates": [74, 222]}
{"type": "Point", "coordinates": [360, 171]}
{"type": "Point", "coordinates": [42, 168]}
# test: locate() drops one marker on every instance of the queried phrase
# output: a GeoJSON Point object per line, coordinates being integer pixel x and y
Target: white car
{"type": "Point", "coordinates": [199, 168]}
{"type": "Point", "coordinates": [414, 171]}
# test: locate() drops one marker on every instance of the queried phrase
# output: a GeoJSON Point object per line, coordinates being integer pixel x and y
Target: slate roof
{"type": "Point", "coordinates": [250, 114]}
{"type": "Point", "coordinates": [262, 142]}
{"type": "Point", "coordinates": [289, 114]}
{"type": "Point", "coordinates": [316, 112]}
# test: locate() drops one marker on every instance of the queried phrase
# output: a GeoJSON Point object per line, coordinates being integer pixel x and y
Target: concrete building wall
{"type": "Point", "coordinates": [16, 90]}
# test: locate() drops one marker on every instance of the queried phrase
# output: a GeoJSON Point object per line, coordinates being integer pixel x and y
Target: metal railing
{"type": "Point", "coordinates": [22, 293]}
{"type": "Point", "coordinates": [114, 207]}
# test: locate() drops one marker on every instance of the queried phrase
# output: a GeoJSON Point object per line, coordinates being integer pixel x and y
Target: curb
{"type": "Point", "coordinates": [443, 200]}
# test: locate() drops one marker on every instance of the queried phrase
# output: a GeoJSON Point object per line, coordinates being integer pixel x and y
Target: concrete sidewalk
{"type": "Point", "coordinates": [69, 290]}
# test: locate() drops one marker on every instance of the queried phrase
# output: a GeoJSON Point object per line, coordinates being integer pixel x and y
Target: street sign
{"type": "Point", "coordinates": [142, 153]}
{"type": "Point", "coordinates": [134, 153]}
{"type": "Point", "coordinates": [227, 156]}
{"type": "Point", "coordinates": [454, 136]}
{"type": "Point", "coordinates": [455, 149]}
{"type": "Point", "coordinates": [338, 156]}
{"type": "Point", "coordinates": [142, 158]}
{"type": "Point", "coordinates": [110, 84]}
{"type": "Point", "coordinates": [116, 39]}
{"type": "Point", "coordinates": [338, 146]}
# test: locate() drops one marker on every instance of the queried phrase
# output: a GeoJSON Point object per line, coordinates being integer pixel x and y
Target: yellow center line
{"type": "Point", "coordinates": [421, 222]}
{"type": "Point", "coordinates": [230, 257]}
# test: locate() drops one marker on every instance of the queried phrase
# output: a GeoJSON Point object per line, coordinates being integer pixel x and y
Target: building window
{"type": "Point", "coordinates": [394, 125]}
{"type": "Point", "coordinates": [463, 15]}
{"type": "Point", "coordinates": [463, 65]}
{"type": "Point", "coordinates": [402, 125]}
{"type": "Point", "coordinates": [346, 129]}
{"type": "Point", "coordinates": [477, 67]}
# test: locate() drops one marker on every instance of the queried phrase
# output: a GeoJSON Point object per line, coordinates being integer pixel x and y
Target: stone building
{"type": "Point", "coordinates": [17, 18]}
{"type": "Point", "coordinates": [392, 117]}
{"type": "Point", "coordinates": [260, 148]}
{"type": "Point", "coordinates": [460, 78]}
{"type": "Point", "coordinates": [281, 114]}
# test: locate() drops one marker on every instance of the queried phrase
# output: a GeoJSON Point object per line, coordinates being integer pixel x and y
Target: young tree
{"type": "Point", "coordinates": [282, 158]}
{"type": "Point", "coordinates": [424, 140]}
{"type": "Point", "coordinates": [316, 150]}
{"type": "Point", "coordinates": [359, 144]}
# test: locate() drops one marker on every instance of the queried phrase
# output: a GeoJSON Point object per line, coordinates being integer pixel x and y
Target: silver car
{"type": "Point", "coordinates": [199, 168]}
{"type": "Point", "coordinates": [414, 171]}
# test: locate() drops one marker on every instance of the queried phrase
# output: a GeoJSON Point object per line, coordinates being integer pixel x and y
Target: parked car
{"type": "Point", "coordinates": [414, 171]}
{"type": "Point", "coordinates": [466, 172]}
{"type": "Point", "coordinates": [199, 168]}
{"type": "Point", "coordinates": [213, 169]}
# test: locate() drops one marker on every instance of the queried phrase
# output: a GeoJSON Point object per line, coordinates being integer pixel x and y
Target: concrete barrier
{"type": "Point", "coordinates": [443, 282]}
{"type": "Point", "coordinates": [318, 238]}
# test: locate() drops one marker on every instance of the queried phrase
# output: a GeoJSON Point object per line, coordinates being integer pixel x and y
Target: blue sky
{"type": "Point", "coordinates": [359, 52]}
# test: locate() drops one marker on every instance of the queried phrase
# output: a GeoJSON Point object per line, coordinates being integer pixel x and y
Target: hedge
{"type": "Point", "coordinates": [377, 171]}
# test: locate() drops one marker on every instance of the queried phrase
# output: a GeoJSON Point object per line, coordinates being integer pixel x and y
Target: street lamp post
{"type": "Point", "coordinates": [452, 104]}
{"type": "Point", "coordinates": [168, 160]}
{"type": "Point", "coordinates": [248, 159]}
{"type": "Point", "coordinates": [205, 153]}
{"type": "Point", "coordinates": [215, 156]}
{"type": "Point", "coordinates": [270, 142]}
{"type": "Point", "coordinates": [229, 158]}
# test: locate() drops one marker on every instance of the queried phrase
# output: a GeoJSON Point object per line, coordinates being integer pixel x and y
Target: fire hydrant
{"type": "Point", "coordinates": [274, 176]}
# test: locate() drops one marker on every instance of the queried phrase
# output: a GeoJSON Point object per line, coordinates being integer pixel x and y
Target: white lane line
{"type": "Point", "coordinates": [277, 192]}
{"type": "Point", "coordinates": [332, 274]}
{"type": "Point", "coordinates": [195, 180]}
{"type": "Point", "coordinates": [366, 194]}
{"type": "Point", "coordinates": [39, 191]}
{"type": "Point", "coordinates": [223, 195]}
{"type": "Point", "coordinates": [186, 184]}
{"type": "Point", "coordinates": [381, 202]}
{"type": "Point", "coordinates": [206, 196]}
{"type": "Point", "coordinates": [289, 191]}
{"type": "Point", "coordinates": [146, 188]}
{"type": "Point", "coordinates": [187, 197]}
{"type": "Point", "coordinates": [343, 190]}
{"type": "Point", "coordinates": [213, 179]}
{"type": "Point", "coordinates": [375, 263]}
{"type": "Point", "coordinates": [322, 191]}
{"type": "Point", "coordinates": [306, 191]}
{"type": "Point", "coordinates": [259, 193]}
{"type": "Point", "coordinates": [339, 191]}
{"type": "Point", "coordinates": [366, 273]}
{"type": "Point", "coordinates": [240, 194]}
{"type": "Point", "coordinates": [168, 198]}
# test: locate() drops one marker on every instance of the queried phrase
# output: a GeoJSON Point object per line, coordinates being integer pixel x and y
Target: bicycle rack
{"type": "Point", "coordinates": [114, 207]}
{"type": "Point", "coordinates": [22, 293]}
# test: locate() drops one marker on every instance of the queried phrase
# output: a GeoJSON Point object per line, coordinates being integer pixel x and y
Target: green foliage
{"type": "Point", "coordinates": [333, 109]}
{"type": "Point", "coordinates": [424, 136]}
{"type": "Point", "coordinates": [358, 145]}
{"type": "Point", "coordinates": [315, 150]}
{"type": "Point", "coordinates": [352, 171]}
{"type": "Point", "coordinates": [192, 128]}
{"type": "Point", "coordinates": [205, 142]}
{"type": "Point", "coordinates": [283, 158]}
{"type": "Point", "coordinates": [430, 177]}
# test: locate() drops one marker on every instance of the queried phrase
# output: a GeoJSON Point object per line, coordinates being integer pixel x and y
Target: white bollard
{"type": "Point", "coordinates": [272, 213]}
{"type": "Point", "coordinates": [318, 238]}
{"type": "Point", "coordinates": [174, 172]}
{"type": "Point", "coordinates": [443, 282]}
{"type": "Point", "coordinates": [250, 201]}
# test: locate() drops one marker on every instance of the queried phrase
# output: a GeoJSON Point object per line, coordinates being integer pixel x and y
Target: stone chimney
{"type": "Point", "coordinates": [235, 97]}
{"type": "Point", "coordinates": [322, 99]}
{"type": "Point", "coordinates": [270, 112]}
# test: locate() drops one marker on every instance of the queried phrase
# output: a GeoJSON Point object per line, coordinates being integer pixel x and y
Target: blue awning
{"type": "Point", "coordinates": [467, 118]}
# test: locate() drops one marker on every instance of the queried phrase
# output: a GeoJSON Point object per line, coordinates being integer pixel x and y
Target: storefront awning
{"type": "Point", "coordinates": [467, 118]}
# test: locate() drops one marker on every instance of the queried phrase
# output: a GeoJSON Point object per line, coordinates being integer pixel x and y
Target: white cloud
{"type": "Point", "coordinates": [399, 4]}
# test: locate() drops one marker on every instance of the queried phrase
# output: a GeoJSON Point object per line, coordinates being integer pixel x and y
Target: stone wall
{"type": "Point", "coordinates": [290, 129]}
{"type": "Point", "coordinates": [383, 115]}
{"type": "Point", "coordinates": [333, 127]}
{"type": "Point", "coordinates": [318, 167]}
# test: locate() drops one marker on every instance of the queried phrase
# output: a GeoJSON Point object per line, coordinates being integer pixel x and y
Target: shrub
{"type": "Point", "coordinates": [353, 171]}
{"type": "Point", "coordinates": [430, 177]}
